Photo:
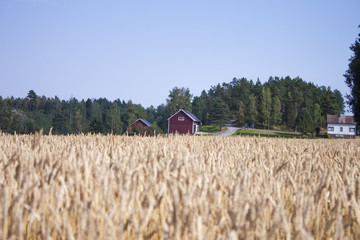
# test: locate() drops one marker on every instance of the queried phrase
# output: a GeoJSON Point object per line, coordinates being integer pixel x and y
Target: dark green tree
{"type": "Point", "coordinates": [130, 114]}
{"type": "Point", "coordinates": [162, 116]}
{"type": "Point", "coordinates": [5, 116]}
{"type": "Point", "coordinates": [276, 111]}
{"type": "Point", "coordinates": [77, 122]}
{"type": "Point", "coordinates": [290, 112]}
{"type": "Point", "coordinates": [199, 108]}
{"type": "Point", "coordinates": [318, 119]}
{"type": "Point", "coordinates": [17, 123]}
{"type": "Point", "coordinates": [113, 119]}
{"type": "Point", "coordinates": [33, 100]}
{"type": "Point", "coordinates": [60, 123]}
{"type": "Point", "coordinates": [219, 112]}
{"type": "Point", "coordinates": [328, 103]}
{"type": "Point", "coordinates": [339, 102]}
{"type": "Point", "coordinates": [252, 110]}
{"type": "Point", "coordinates": [179, 98]}
{"type": "Point", "coordinates": [241, 114]}
{"type": "Point", "coordinates": [41, 121]}
{"type": "Point", "coordinates": [140, 111]}
{"type": "Point", "coordinates": [151, 113]}
{"type": "Point", "coordinates": [88, 105]}
{"type": "Point", "coordinates": [352, 80]}
{"type": "Point", "coordinates": [266, 105]}
{"type": "Point", "coordinates": [96, 125]}
{"type": "Point", "coordinates": [304, 121]}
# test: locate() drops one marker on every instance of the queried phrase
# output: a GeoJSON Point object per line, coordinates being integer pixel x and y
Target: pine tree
{"type": "Point", "coordinates": [241, 113]}
{"type": "Point", "coordinates": [220, 112]}
{"type": "Point", "coordinates": [318, 119]}
{"type": "Point", "coordinates": [252, 110]}
{"type": "Point", "coordinates": [266, 105]}
{"type": "Point", "coordinates": [276, 111]}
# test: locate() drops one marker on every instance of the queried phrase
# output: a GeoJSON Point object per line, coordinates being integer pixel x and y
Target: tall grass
{"type": "Point", "coordinates": [178, 187]}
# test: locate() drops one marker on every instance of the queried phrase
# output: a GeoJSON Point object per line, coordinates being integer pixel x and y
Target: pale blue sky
{"type": "Point", "coordinates": [140, 50]}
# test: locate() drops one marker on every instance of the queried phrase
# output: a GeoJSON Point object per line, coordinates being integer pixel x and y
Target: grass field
{"type": "Point", "coordinates": [212, 128]}
{"type": "Point", "coordinates": [178, 187]}
{"type": "Point", "coordinates": [266, 133]}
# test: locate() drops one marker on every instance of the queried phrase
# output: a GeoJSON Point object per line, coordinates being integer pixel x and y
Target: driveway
{"type": "Point", "coordinates": [230, 131]}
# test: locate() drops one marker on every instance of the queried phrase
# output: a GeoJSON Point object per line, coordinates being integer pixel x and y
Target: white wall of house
{"type": "Point", "coordinates": [346, 129]}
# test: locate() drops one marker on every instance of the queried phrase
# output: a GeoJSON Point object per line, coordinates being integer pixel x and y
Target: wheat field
{"type": "Point", "coordinates": [178, 187]}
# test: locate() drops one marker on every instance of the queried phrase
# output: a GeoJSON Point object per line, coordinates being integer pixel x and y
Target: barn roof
{"type": "Point", "coordinates": [145, 122]}
{"type": "Point", "coordinates": [335, 119]}
{"type": "Point", "coordinates": [189, 114]}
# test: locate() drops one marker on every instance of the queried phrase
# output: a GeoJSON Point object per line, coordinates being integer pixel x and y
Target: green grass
{"type": "Point", "coordinates": [266, 133]}
{"type": "Point", "coordinates": [211, 128]}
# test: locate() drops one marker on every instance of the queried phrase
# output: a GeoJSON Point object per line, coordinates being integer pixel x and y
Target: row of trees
{"type": "Point", "coordinates": [274, 103]}
{"type": "Point", "coordinates": [32, 113]}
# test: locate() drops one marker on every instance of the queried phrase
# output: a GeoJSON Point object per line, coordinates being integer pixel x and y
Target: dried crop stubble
{"type": "Point", "coordinates": [178, 187]}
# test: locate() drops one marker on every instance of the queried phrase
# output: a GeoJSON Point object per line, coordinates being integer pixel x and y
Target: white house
{"type": "Point", "coordinates": [341, 126]}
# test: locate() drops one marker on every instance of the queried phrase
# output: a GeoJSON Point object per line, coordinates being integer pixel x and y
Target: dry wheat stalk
{"type": "Point", "coordinates": [178, 187]}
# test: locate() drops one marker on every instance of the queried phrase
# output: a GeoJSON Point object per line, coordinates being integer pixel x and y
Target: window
{"type": "Point", "coordinates": [331, 129]}
{"type": "Point", "coordinates": [352, 129]}
{"type": "Point", "coordinates": [341, 129]}
{"type": "Point", "coordinates": [181, 118]}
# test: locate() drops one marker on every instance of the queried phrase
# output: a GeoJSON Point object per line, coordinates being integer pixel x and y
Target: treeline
{"type": "Point", "coordinates": [32, 113]}
{"type": "Point", "coordinates": [277, 102]}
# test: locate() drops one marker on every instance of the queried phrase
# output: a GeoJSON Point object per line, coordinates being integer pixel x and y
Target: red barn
{"type": "Point", "coordinates": [140, 123]}
{"type": "Point", "coordinates": [183, 122]}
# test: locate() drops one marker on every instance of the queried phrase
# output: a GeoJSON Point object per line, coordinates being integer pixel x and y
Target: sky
{"type": "Point", "coordinates": [140, 50]}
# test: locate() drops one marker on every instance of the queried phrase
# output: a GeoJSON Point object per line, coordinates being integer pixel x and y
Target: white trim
{"type": "Point", "coordinates": [168, 126]}
{"type": "Point", "coordinates": [182, 110]}
{"type": "Point", "coordinates": [176, 113]}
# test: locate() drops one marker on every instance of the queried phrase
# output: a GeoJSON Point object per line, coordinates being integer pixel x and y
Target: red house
{"type": "Point", "coordinates": [183, 122]}
{"type": "Point", "coordinates": [140, 123]}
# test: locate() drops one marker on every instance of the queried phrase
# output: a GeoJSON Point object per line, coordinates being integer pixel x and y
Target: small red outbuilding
{"type": "Point", "coordinates": [183, 122]}
{"type": "Point", "coordinates": [140, 123]}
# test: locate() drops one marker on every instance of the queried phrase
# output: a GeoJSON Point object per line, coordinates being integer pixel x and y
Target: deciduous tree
{"type": "Point", "coordinates": [276, 111]}
{"type": "Point", "coordinates": [113, 119]}
{"type": "Point", "coordinates": [304, 121]}
{"type": "Point", "coordinates": [252, 110]}
{"type": "Point", "coordinates": [179, 98]}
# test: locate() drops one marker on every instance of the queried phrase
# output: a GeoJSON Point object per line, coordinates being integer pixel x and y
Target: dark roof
{"type": "Point", "coordinates": [335, 119]}
{"type": "Point", "coordinates": [189, 114]}
{"type": "Point", "coordinates": [145, 122]}
{"type": "Point", "coordinates": [195, 119]}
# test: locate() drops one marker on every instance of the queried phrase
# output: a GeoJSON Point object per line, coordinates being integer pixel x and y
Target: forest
{"type": "Point", "coordinates": [278, 103]}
